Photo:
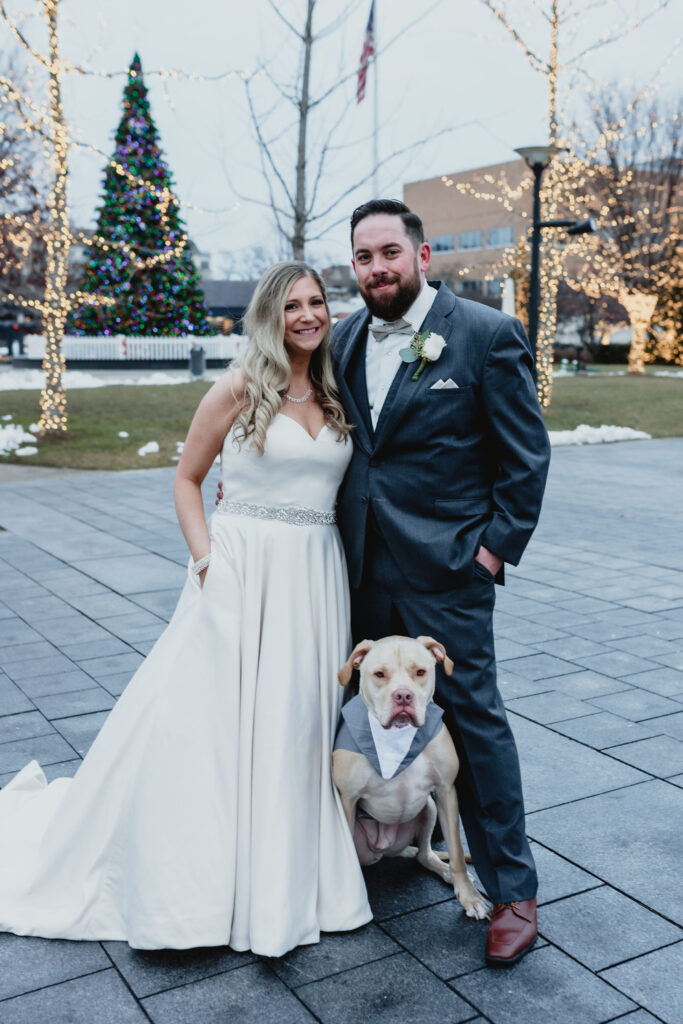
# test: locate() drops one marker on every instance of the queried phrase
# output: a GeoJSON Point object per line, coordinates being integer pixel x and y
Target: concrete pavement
{"type": "Point", "coordinates": [590, 645]}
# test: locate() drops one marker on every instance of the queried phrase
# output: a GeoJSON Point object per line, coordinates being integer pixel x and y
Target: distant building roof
{"type": "Point", "coordinates": [228, 294]}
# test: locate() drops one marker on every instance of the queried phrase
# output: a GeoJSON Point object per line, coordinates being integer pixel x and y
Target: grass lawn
{"type": "Point", "coordinates": [163, 414]}
{"type": "Point", "coordinates": [96, 415]}
{"type": "Point", "coordinates": [652, 404]}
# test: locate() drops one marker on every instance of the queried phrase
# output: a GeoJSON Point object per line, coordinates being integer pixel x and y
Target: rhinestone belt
{"type": "Point", "coordinates": [296, 516]}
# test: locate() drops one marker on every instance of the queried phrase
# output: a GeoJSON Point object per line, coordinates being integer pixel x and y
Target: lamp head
{"type": "Point", "coordinates": [584, 227]}
{"type": "Point", "coordinates": [538, 156]}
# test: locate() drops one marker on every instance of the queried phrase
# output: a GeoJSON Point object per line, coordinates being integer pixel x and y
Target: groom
{"type": "Point", "coordinates": [445, 485]}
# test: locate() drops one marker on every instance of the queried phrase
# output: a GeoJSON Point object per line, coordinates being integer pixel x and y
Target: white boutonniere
{"type": "Point", "coordinates": [426, 347]}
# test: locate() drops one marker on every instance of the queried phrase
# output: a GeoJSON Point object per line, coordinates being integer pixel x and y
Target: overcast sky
{"type": "Point", "coordinates": [454, 67]}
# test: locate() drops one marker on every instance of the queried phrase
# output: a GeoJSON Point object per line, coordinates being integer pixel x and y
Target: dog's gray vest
{"type": "Point", "coordinates": [355, 734]}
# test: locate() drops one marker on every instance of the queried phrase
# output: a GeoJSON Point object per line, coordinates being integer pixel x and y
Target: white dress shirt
{"type": "Point", "coordinates": [381, 357]}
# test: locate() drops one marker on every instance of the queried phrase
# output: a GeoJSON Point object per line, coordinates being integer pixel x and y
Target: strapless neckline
{"type": "Point", "coordinates": [295, 470]}
{"type": "Point", "coordinates": [296, 423]}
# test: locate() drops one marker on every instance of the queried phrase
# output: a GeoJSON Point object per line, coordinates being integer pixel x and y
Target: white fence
{"type": "Point", "coordinates": [125, 348]}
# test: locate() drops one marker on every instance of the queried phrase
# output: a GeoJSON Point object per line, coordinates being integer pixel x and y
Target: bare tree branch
{"type": "Point", "coordinates": [16, 31]}
{"type": "Point", "coordinates": [614, 37]}
{"type": "Point", "coordinates": [264, 147]}
{"type": "Point", "coordinates": [499, 13]}
{"type": "Point", "coordinates": [340, 20]}
{"type": "Point", "coordinates": [276, 10]}
{"type": "Point", "coordinates": [380, 52]}
{"type": "Point", "coordinates": [324, 152]}
{"type": "Point", "coordinates": [399, 152]}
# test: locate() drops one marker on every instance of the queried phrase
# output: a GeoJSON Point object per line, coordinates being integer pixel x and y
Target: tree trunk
{"type": "Point", "coordinates": [300, 215]}
{"type": "Point", "coordinates": [551, 260]}
{"type": "Point", "coordinates": [53, 397]}
{"type": "Point", "coordinates": [640, 308]}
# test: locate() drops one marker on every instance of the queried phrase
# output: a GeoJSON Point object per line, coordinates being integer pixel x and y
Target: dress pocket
{"type": "Point", "coordinates": [193, 578]}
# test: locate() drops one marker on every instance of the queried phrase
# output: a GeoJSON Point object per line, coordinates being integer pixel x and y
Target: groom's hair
{"type": "Point", "coordinates": [394, 207]}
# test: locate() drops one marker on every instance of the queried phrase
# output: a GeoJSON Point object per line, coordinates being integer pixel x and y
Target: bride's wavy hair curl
{"type": "Point", "coordinates": [266, 364]}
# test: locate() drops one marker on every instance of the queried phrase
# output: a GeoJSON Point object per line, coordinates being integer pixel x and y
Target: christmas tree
{"type": "Point", "coordinates": [139, 255]}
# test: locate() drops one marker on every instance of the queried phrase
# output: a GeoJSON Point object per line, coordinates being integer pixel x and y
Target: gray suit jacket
{"type": "Point", "coordinates": [445, 470]}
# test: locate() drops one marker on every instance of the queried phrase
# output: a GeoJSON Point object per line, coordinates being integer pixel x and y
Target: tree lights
{"type": "Point", "coordinates": [139, 254]}
{"type": "Point", "coordinates": [573, 190]}
{"type": "Point", "coordinates": [166, 235]}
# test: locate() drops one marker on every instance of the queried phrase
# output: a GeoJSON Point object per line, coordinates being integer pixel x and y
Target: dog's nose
{"type": "Point", "coordinates": [403, 697]}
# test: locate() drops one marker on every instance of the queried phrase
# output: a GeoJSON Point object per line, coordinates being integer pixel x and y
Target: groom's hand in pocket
{"type": "Point", "coordinates": [488, 560]}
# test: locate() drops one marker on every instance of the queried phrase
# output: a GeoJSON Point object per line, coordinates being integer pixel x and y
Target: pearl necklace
{"type": "Point", "coordinates": [304, 398]}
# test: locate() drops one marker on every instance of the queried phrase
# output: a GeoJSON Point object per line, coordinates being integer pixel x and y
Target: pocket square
{"type": "Point", "coordinates": [440, 384]}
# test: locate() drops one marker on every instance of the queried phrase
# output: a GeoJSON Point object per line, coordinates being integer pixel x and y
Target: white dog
{"type": "Point", "coordinates": [392, 753]}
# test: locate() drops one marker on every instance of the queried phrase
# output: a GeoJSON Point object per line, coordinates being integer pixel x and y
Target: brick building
{"type": "Point", "coordinates": [468, 232]}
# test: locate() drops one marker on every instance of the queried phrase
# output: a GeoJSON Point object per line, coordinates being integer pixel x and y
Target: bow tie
{"type": "Point", "coordinates": [382, 331]}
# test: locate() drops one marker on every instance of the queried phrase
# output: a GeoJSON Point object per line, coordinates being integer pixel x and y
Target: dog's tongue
{"type": "Point", "coordinates": [401, 721]}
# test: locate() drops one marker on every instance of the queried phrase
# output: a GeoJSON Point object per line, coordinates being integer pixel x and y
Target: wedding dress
{"type": "Point", "coordinates": [204, 813]}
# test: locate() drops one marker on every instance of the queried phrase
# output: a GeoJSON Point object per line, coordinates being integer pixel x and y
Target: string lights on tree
{"type": "Point", "coordinates": [556, 251]}
{"type": "Point", "coordinates": [628, 172]}
{"type": "Point", "coordinates": [140, 253]}
{"type": "Point", "coordinates": [50, 124]}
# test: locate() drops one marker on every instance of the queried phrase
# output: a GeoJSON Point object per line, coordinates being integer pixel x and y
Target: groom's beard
{"type": "Point", "coordinates": [394, 304]}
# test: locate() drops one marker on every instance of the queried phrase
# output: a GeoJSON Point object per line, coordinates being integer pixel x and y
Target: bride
{"type": "Point", "coordinates": [204, 813]}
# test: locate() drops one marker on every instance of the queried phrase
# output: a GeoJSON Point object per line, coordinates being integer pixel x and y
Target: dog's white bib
{"type": "Point", "coordinates": [391, 745]}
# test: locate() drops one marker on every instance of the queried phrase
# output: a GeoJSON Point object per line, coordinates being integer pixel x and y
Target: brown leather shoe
{"type": "Point", "coordinates": [512, 931]}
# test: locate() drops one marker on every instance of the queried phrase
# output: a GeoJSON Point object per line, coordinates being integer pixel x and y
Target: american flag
{"type": "Point", "coordinates": [366, 55]}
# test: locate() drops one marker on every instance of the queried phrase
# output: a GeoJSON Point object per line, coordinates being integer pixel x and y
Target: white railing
{"type": "Point", "coordinates": [126, 348]}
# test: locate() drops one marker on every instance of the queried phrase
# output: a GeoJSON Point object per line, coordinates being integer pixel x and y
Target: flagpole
{"type": "Point", "coordinates": [375, 114]}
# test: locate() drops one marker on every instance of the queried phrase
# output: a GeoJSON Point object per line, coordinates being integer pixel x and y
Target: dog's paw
{"type": "Point", "coordinates": [479, 909]}
{"type": "Point", "coordinates": [474, 904]}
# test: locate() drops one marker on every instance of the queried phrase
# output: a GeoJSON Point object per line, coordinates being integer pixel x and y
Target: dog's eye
{"type": "Point", "coordinates": [421, 672]}
{"type": "Point", "coordinates": [379, 674]}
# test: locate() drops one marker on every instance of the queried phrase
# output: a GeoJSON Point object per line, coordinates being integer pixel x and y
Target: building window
{"type": "Point", "coordinates": [471, 287]}
{"type": "Point", "coordinates": [499, 238]}
{"type": "Point", "coordinates": [442, 243]}
{"type": "Point", "coordinates": [469, 240]}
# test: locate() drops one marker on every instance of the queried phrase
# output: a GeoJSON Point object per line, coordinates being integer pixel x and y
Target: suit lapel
{"type": "Point", "coordinates": [402, 388]}
{"type": "Point", "coordinates": [353, 385]}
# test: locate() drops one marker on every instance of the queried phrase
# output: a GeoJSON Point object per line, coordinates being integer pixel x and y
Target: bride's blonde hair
{"type": "Point", "coordinates": [265, 362]}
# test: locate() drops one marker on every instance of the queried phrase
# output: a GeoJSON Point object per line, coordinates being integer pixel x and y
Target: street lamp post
{"type": "Point", "coordinates": [537, 158]}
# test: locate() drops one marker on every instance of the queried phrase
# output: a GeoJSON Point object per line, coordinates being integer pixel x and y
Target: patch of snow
{"type": "Point", "coordinates": [157, 377]}
{"type": "Point", "coordinates": [13, 378]}
{"type": "Point", "coordinates": [583, 434]}
{"type": "Point", "coordinates": [29, 450]}
{"type": "Point", "coordinates": [151, 448]}
{"type": "Point", "coordinates": [123, 433]}
{"type": "Point", "coordinates": [34, 428]}
{"type": "Point", "coordinates": [668, 373]}
{"type": "Point", "coordinates": [12, 437]}
{"type": "Point", "coordinates": [179, 445]}
{"type": "Point", "coordinates": [7, 416]}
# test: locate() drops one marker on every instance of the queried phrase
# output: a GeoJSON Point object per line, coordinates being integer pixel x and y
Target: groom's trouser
{"type": "Point", "coordinates": [489, 784]}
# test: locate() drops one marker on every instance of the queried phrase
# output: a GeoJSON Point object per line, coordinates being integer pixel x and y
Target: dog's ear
{"type": "Point", "coordinates": [355, 658]}
{"type": "Point", "coordinates": [439, 652]}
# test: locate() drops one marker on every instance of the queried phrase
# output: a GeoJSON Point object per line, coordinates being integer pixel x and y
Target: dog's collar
{"type": "Point", "coordinates": [355, 734]}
